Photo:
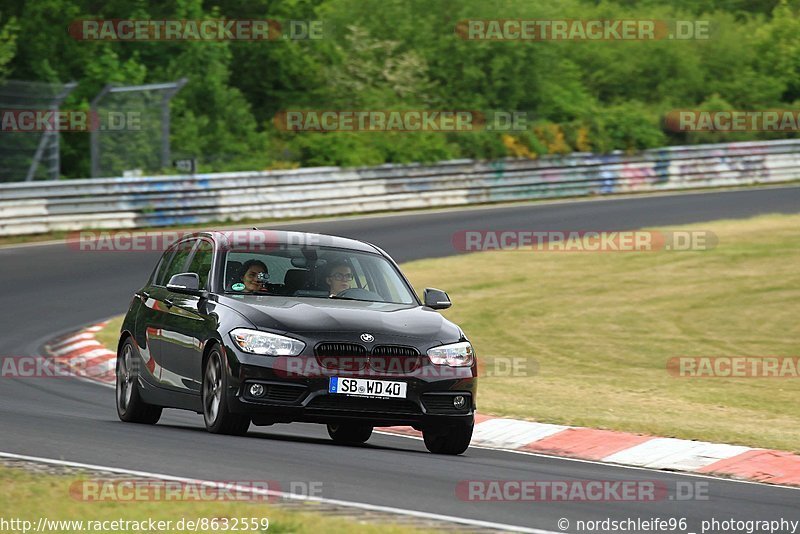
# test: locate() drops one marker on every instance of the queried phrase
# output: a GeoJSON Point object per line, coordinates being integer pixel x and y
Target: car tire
{"type": "Point", "coordinates": [130, 406]}
{"type": "Point", "coordinates": [216, 413]}
{"type": "Point", "coordinates": [349, 433]}
{"type": "Point", "coordinates": [452, 440]}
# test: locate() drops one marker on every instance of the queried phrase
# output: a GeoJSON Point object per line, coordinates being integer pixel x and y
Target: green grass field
{"type": "Point", "coordinates": [109, 335]}
{"type": "Point", "coordinates": [599, 328]}
{"type": "Point", "coordinates": [29, 496]}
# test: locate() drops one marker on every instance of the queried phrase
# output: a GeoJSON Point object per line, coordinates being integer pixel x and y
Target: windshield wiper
{"type": "Point", "coordinates": [353, 298]}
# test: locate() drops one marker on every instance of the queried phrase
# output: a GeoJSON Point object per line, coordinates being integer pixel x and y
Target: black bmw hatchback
{"type": "Point", "coordinates": [262, 327]}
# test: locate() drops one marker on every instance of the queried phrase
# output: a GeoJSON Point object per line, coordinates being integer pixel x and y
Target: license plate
{"type": "Point", "coordinates": [364, 387]}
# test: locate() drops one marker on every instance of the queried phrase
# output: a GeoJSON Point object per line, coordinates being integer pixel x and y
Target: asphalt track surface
{"type": "Point", "coordinates": [51, 289]}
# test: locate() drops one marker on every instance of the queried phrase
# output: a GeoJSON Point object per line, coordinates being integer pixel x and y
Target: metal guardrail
{"type": "Point", "coordinates": [115, 203]}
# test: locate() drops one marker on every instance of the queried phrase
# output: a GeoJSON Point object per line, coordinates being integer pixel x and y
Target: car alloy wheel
{"type": "Point", "coordinates": [217, 416]}
{"type": "Point", "coordinates": [130, 406]}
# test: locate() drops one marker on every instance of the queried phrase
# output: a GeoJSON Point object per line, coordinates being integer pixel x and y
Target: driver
{"type": "Point", "coordinates": [339, 277]}
{"type": "Point", "coordinates": [254, 275]}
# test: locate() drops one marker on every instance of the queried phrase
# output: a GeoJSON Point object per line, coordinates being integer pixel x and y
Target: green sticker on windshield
{"type": "Point", "coordinates": [237, 287]}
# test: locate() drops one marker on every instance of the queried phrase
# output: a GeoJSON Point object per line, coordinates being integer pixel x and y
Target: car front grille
{"type": "Point", "coordinates": [394, 359]}
{"type": "Point", "coordinates": [363, 405]}
{"type": "Point", "coordinates": [383, 359]}
{"type": "Point", "coordinates": [341, 356]}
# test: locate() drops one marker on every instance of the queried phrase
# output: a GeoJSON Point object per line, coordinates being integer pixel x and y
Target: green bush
{"type": "Point", "coordinates": [392, 54]}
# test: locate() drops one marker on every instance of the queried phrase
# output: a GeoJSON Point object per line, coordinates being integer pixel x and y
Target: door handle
{"type": "Point", "coordinates": [168, 302]}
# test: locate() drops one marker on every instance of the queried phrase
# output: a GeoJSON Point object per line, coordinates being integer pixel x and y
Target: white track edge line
{"type": "Point", "coordinates": [259, 491]}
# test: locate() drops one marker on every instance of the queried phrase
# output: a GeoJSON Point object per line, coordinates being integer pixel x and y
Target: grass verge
{"type": "Point", "coordinates": [109, 334]}
{"type": "Point", "coordinates": [600, 328]}
{"type": "Point", "coordinates": [29, 496]}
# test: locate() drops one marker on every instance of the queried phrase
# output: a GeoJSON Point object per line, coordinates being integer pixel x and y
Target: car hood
{"type": "Point", "coordinates": [316, 315]}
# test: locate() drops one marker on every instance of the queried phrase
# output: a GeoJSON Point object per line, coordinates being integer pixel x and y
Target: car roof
{"type": "Point", "coordinates": [281, 237]}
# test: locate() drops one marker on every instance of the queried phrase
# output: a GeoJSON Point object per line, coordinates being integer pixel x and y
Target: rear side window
{"type": "Point", "coordinates": [201, 262]}
{"type": "Point", "coordinates": [177, 264]}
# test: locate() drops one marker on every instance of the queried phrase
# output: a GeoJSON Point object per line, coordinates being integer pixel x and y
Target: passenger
{"type": "Point", "coordinates": [254, 275]}
{"type": "Point", "coordinates": [340, 275]}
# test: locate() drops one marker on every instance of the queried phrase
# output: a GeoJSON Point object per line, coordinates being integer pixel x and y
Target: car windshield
{"type": "Point", "coordinates": [315, 272]}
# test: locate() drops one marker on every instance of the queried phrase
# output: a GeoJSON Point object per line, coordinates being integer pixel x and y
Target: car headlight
{"type": "Point", "coordinates": [454, 355]}
{"type": "Point", "coordinates": [256, 342]}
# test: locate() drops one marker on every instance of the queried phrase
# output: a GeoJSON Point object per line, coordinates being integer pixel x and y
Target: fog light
{"type": "Point", "coordinates": [257, 390]}
{"type": "Point", "coordinates": [459, 401]}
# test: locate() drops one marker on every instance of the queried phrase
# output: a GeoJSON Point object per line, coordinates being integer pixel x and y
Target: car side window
{"type": "Point", "coordinates": [201, 262]}
{"type": "Point", "coordinates": [277, 266]}
{"type": "Point", "coordinates": [158, 278]}
{"type": "Point", "coordinates": [178, 262]}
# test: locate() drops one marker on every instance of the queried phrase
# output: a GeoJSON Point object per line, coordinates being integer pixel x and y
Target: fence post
{"type": "Point", "coordinates": [94, 132]}
{"type": "Point", "coordinates": [162, 152]}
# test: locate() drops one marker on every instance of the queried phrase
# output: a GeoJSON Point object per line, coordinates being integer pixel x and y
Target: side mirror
{"type": "Point", "coordinates": [436, 299]}
{"type": "Point", "coordinates": [187, 283]}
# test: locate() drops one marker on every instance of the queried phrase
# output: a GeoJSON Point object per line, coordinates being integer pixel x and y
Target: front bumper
{"type": "Point", "coordinates": [299, 393]}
